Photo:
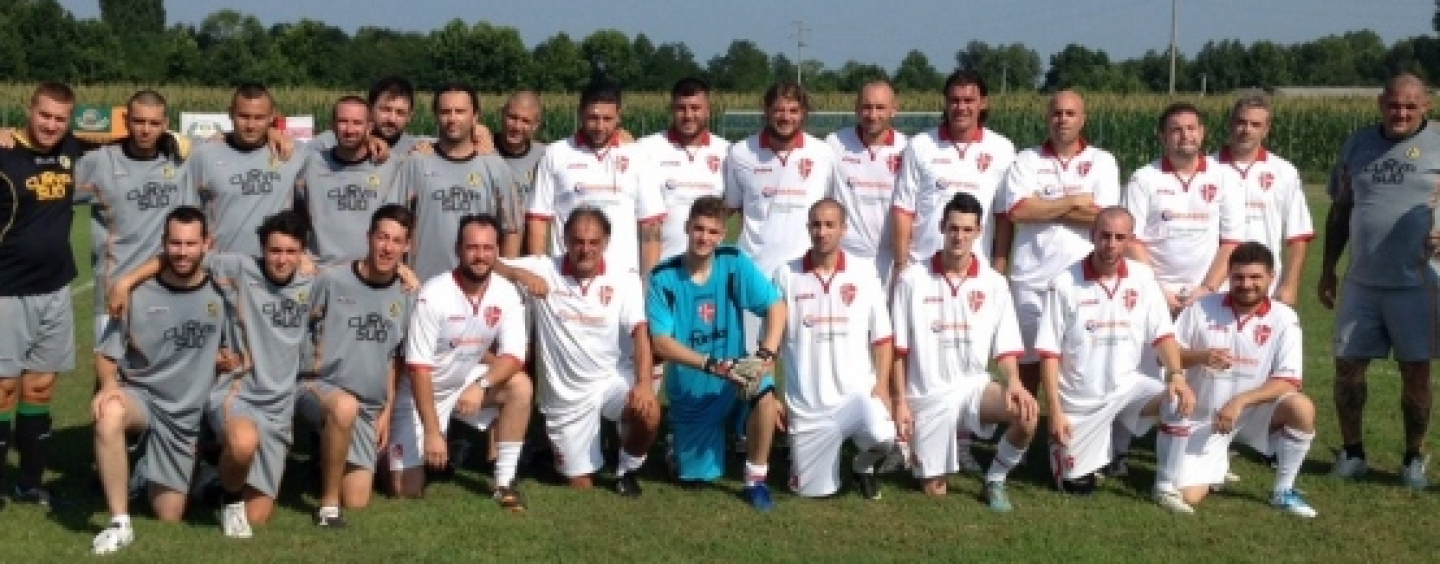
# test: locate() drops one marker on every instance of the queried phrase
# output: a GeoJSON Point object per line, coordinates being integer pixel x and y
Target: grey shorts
{"type": "Point", "coordinates": [364, 442]}
{"type": "Point", "coordinates": [1370, 323]}
{"type": "Point", "coordinates": [274, 434]}
{"type": "Point", "coordinates": [169, 459]}
{"type": "Point", "coordinates": [37, 333]}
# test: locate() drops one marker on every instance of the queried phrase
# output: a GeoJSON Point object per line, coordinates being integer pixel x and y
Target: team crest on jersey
{"type": "Point", "coordinates": [212, 309]}
{"type": "Point", "coordinates": [714, 162]}
{"type": "Point", "coordinates": [1411, 153]}
{"type": "Point", "coordinates": [806, 165]}
{"type": "Point", "coordinates": [1208, 192]}
{"type": "Point", "coordinates": [1262, 334]}
{"type": "Point", "coordinates": [274, 162]}
{"type": "Point", "coordinates": [983, 161]}
{"type": "Point", "coordinates": [1130, 298]}
{"type": "Point", "coordinates": [894, 163]}
{"type": "Point", "coordinates": [622, 162]}
{"type": "Point", "coordinates": [607, 293]}
{"type": "Point", "coordinates": [168, 172]}
{"type": "Point", "coordinates": [394, 309]}
{"type": "Point", "coordinates": [473, 179]}
{"type": "Point", "coordinates": [847, 294]}
{"type": "Point", "coordinates": [977, 300]}
{"type": "Point", "coordinates": [373, 181]}
{"type": "Point", "coordinates": [64, 162]}
{"type": "Point", "coordinates": [492, 315]}
{"type": "Point", "coordinates": [1267, 180]}
{"type": "Point", "coordinates": [1083, 168]}
{"type": "Point", "coordinates": [706, 311]}
{"type": "Point", "coordinates": [302, 297]}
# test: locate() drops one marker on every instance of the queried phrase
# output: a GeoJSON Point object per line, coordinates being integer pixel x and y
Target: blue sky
{"type": "Point", "coordinates": [875, 32]}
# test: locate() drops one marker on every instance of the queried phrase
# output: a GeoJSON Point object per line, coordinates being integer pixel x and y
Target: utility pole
{"type": "Point", "coordinates": [1174, 26]}
{"type": "Point", "coordinates": [800, 32]}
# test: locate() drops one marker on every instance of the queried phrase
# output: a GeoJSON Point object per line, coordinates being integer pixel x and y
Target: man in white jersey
{"type": "Point", "coordinates": [952, 315]}
{"type": "Point", "coordinates": [868, 162]}
{"type": "Point", "coordinates": [1242, 356]}
{"type": "Point", "coordinates": [1098, 317]}
{"type": "Point", "coordinates": [594, 169]}
{"type": "Point", "coordinates": [961, 155]}
{"type": "Point", "coordinates": [686, 160]}
{"type": "Point", "coordinates": [1276, 213]}
{"type": "Point", "coordinates": [839, 353]}
{"type": "Point", "coordinates": [458, 317]}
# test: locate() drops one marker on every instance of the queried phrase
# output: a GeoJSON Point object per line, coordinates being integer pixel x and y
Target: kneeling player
{"type": "Point", "coordinates": [951, 315]}
{"type": "Point", "coordinates": [838, 346]}
{"type": "Point", "coordinates": [458, 316]}
{"type": "Point", "coordinates": [695, 306]}
{"type": "Point", "coordinates": [1242, 354]}
{"type": "Point", "coordinates": [1099, 316]}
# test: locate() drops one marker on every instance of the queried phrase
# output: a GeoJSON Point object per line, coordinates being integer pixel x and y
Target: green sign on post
{"type": "Point", "coordinates": [91, 119]}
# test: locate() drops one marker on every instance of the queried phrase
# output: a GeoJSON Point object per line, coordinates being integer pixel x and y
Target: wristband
{"type": "Point", "coordinates": [765, 354]}
{"type": "Point", "coordinates": [709, 366]}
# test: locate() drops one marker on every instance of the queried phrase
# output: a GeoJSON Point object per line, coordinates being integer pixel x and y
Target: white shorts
{"type": "Point", "coordinates": [407, 432]}
{"type": "Point", "coordinates": [575, 432]}
{"type": "Point", "coordinates": [1198, 455]}
{"type": "Point", "coordinates": [1089, 447]}
{"type": "Point", "coordinates": [1029, 303]}
{"type": "Point", "coordinates": [938, 420]}
{"type": "Point", "coordinates": [815, 443]}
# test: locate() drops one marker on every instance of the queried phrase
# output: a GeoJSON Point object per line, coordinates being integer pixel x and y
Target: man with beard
{"type": "Point", "coordinates": [340, 187]}
{"type": "Point", "coordinates": [148, 380]}
{"type": "Point", "coordinates": [685, 160]}
{"type": "Point", "coordinates": [869, 159]}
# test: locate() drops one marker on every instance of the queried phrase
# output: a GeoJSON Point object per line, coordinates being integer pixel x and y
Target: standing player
{"type": "Point", "coordinates": [239, 180]}
{"type": "Point", "coordinates": [358, 316]}
{"type": "Point", "coordinates": [869, 159]}
{"type": "Point", "coordinates": [458, 317]}
{"type": "Point", "coordinates": [1385, 176]}
{"type": "Point", "coordinates": [1098, 317]}
{"type": "Point", "coordinates": [391, 103]}
{"type": "Point", "coordinates": [686, 159]}
{"type": "Point", "coordinates": [454, 181]}
{"type": "Point", "coordinates": [338, 188]}
{"type": "Point", "coordinates": [961, 155]}
{"type": "Point", "coordinates": [951, 317]}
{"type": "Point", "coordinates": [694, 306]}
{"type": "Point", "coordinates": [1276, 213]}
{"type": "Point", "coordinates": [594, 169]}
{"type": "Point", "coordinates": [149, 379]}
{"type": "Point", "coordinates": [1242, 355]}
{"type": "Point", "coordinates": [838, 344]}
{"type": "Point", "coordinates": [516, 143]}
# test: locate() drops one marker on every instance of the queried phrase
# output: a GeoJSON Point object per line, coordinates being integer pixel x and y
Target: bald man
{"type": "Point", "coordinates": [515, 142]}
{"type": "Point", "coordinates": [1384, 177]}
{"type": "Point", "coordinates": [869, 156]}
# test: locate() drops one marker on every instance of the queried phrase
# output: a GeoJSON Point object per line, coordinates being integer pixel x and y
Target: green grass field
{"type": "Point", "coordinates": [1375, 520]}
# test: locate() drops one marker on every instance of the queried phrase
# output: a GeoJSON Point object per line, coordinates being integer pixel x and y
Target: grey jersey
{"type": "Point", "coordinates": [401, 147]}
{"type": "Point", "coordinates": [356, 331]}
{"type": "Point", "coordinates": [129, 199]}
{"type": "Point", "coordinates": [271, 320]}
{"type": "Point", "coordinates": [167, 343]}
{"type": "Point", "coordinates": [442, 190]}
{"type": "Point", "coordinates": [522, 166]}
{"type": "Point", "coordinates": [239, 189]}
{"type": "Point", "coordinates": [339, 197]}
{"type": "Point", "coordinates": [1393, 185]}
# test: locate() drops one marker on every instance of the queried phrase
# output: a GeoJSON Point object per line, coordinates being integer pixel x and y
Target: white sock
{"type": "Point", "coordinates": [122, 520]}
{"type": "Point", "coordinates": [866, 460]}
{"type": "Point", "coordinates": [329, 511]}
{"type": "Point", "coordinates": [1169, 452]}
{"type": "Point", "coordinates": [629, 463]}
{"type": "Point", "coordinates": [1120, 438]}
{"type": "Point", "coordinates": [506, 458]}
{"type": "Point", "coordinates": [1006, 457]}
{"type": "Point", "coordinates": [755, 473]}
{"type": "Point", "coordinates": [1291, 447]}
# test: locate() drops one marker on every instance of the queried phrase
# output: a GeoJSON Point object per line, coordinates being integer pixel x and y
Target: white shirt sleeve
{"type": "Point", "coordinates": [1054, 318]}
{"type": "Point", "coordinates": [1016, 187]}
{"type": "Point", "coordinates": [880, 328]}
{"type": "Point", "coordinates": [734, 190]}
{"type": "Point", "coordinates": [1107, 180]}
{"type": "Point", "coordinates": [1007, 331]}
{"type": "Point", "coordinates": [900, 313]}
{"type": "Point", "coordinates": [907, 182]}
{"type": "Point", "coordinates": [513, 338]}
{"type": "Point", "coordinates": [1289, 361]}
{"type": "Point", "coordinates": [542, 192]}
{"type": "Point", "coordinates": [1137, 200]}
{"type": "Point", "coordinates": [423, 332]}
{"type": "Point", "coordinates": [1232, 209]}
{"type": "Point", "coordinates": [1298, 225]}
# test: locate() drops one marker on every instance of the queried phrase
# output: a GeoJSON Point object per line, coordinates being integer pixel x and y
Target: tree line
{"type": "Point", "coordinates": [131, 42]}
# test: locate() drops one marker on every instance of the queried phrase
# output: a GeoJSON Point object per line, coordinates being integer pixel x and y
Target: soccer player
{"type": "Point", "coordinates": [869, 156]}
{"type": "Point", "coordinates": [1383, 180]}
{"type": "Point", "coordinates": [151, 377]}
{"type": "Point", "coordinates": [516, 143]}
{"type": "Point", "coordinates": [1099, 314]}
{"type": "Point", "coordinates": [686, 160]}
{"type": "Point", "coordinates": [338, 188]}
{"type": "Point", "coordinates": [458, 317]}
{"type": "Point", "coordinates": [588, 324]}
{"type": "Point", "coordinates": [839, 350]}
{"type": "Point", "coordinates": [952, 315]}
{"type": "Point", "coordinates": [1276, 213]}
{"type": "Point", "coordinates": [694, 306]}
{"type": "Point", "coordinates": [239, 181]}
{"type": "Point", "coordinates": [454, 181]}
{"type": "Point", "coordinates": [390, 103]}
{"type": "Point", "coordinates": [595, 169]}
{"type": "Point", "coordinates": [359, 313]}
{"type": "Point", "coordinates": [1242, 356]}
{"type": "Point", "coordinates": [961, 155]}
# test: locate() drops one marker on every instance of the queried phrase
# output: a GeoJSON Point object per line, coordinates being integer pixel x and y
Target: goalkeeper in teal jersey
{"type": "Point", "coordinates": [694, 306]}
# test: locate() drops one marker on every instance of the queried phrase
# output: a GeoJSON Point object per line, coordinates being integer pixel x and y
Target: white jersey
{"type": "Point", "coordinates": [1099, 330]}
{"type": "Point", "coordinates": [684, 174]}
{"type": "Point", "coordinates": [580, 326]}
{"type": "Point", "coordinates": [449, 333]}
{"type": "Point", "coordinates": [1043, 249]}
{"type": "Point", "coordinates": [1263, 345]}
{"type": "Point", "coordinates": [612, 179]}
{"type": "Point", "coordinates": [1276, 212]}
{"type": "Point", "coordinates": [935, 168]}
{"type": "Point", "coordinates": [865, 185]}
{"type": "Point", "coordinates": [950, 329]}
{"type": "Point", "coordinates": [1183, 221]}
{"type": "Point", "coordinates": [774, 192]}
{"type": "Point", "coordinates": [831, 326]}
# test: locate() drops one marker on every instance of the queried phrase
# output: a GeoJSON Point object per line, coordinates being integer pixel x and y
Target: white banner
{"type": "Point", "coordinates": [204, 125]}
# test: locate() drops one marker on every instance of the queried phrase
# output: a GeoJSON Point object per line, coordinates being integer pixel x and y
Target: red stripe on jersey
{"type": "Point", "coordinates": [1016, 354]}
{"type": "Point", "coordinates": [512, 357]}
{"type": "Point", "coordinates": [1161, 339]}
{"type": "Point", "coordinates": [1301, 238]}
{"type": "Point", "coordinates": [884, 341]}
{"type": "Point", "coordinates": [1288, 380]}
{"type": "Point", "coordinates": [903, 210]}
{"type": "Point", "coordinates": [1047, 354]}
{"type": "Point", "coordinates": [532, 215]}
{"type": "Point", "coordinates": [901, 352]}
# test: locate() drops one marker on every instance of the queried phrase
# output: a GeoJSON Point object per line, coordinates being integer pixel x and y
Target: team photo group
{"type": "Point", "coordinates": [911, 296]}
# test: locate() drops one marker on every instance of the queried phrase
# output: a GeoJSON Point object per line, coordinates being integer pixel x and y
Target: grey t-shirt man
{"type": "Point", "coordinates": [357, 329]}
{"type": "Point", "coordinates": [1394, 186]}
{"type": "Point", "coordinates": [339, 197]}
{"type": "Point", "coordinates": [441, 190]}
{"type": "Point", "coordinates": [239, 189]}
{"type": "Point", "coordinates": [272, 319]}
{"type": "Point", "coordinates": [522, 165]}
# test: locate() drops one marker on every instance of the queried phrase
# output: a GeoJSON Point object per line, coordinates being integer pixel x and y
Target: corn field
{"type": "Point", "coordinates": [1307, 131]}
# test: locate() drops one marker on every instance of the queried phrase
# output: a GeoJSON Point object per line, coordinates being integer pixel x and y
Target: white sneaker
{"type": "Point", "coordinates": [234, 521]}
{"type": "Point", "coordinates": [968, 464]}
{"type": "Point", "coordinates": [1173, 502]}
{"type": "Point", "coordinates": [1291, 502]}
{"type": "Point", "coordinates": [113, 538]}
{"type": "Point", "coordinates": [1346, 467]}
{"type": "Point", "coordinates": [1231, 477]}
{"type": "Point", "coordinates": [1413, 474]}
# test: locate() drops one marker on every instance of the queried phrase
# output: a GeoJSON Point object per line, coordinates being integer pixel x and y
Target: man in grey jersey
{"type": "Point", "coordinates": [515, 142]}
{"type": "Point", "coordinates": [358, 317]}
{"type": "Point", "coordinates": [148, 379]}
{"type": "Point", "coordinates": [456, 180]}
{"type": "Point", "coordinates": [239, 181]}
{"type": "Point", "coordinates": [1384, 187]}
{"type": "Point", "coordinates": [340, 187]}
